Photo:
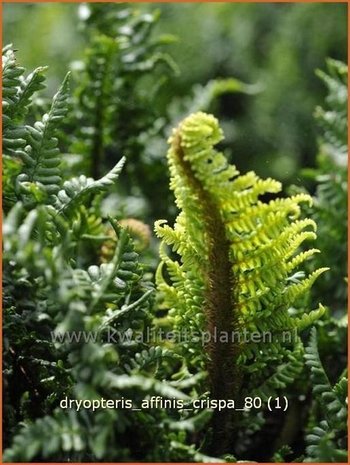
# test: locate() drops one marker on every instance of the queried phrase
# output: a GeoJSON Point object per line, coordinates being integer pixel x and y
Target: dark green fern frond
{"type": "Point", "coordinates": [50, 433]}
{"type": "Point", "coordinates": [40, 173]}
{"type": "Point", "coordinates": [35, 148]}
{"type": "Point", "coordinates": [331, 194]}
{"type": "Point", "coordinates": [333, 405]}
{"type": "Point", "coordinates": [328, 440]}
{"type": "Point", "coordinates": [114, 113]}
{"type": "Point", "coordinates": [11, 74]}
{"type": "Point", "coordinates": [322, 446]}
{"type": "Point", "coordinates": [334, 120]}
{"type": "Point", "coordinates": [61, 305]}
{"type": "Point", "coordinates": [94, 98]}
{"type": "Point", "coordinates": [151, 360]}
{"type": "Point", "coordinates": [73, 190]}
{"type": "Point", "coordinates": [17, 91]}
{"type": "Point", "coordinates": [284, 375]}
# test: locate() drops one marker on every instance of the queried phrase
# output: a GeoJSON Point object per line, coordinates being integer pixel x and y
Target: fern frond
{"type": "Point", "coordinates": [74, 189]}
{"type": "Point", "coordinates": [47, 435]}
{"type": "Point", "coordinates": [17, 93]}
{"type": "Point", "coordinates": [11, 81]}
{"type": "Point", "coordinates": [322, 446]}
{"type": "Point", "coordinates": [239, 260]}
{"type": "Point", "coordinates": [336, 411]}
{"type": "Point", "coordinates": [148, 358]}
{"type": "Point", "coordinates": [40, 156]}
{"type": "Point", "coordinates": [333, 120]}
{"type": "Point", "coordinates": [284, 375]}
{"type": "Point", "coordinates": [331, 194]}
{"type": "Point", "coordinates": [308, 319]}
{"type": "Point", "coordinates": [93, 98]}
{"type": "Point", "coordinates": [295, 290]}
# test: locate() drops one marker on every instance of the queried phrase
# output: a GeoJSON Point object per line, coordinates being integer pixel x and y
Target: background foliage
{"type": "Point", "coordinates": [276, 47]}
{"type": "Point", "coordinates": [135, 71]}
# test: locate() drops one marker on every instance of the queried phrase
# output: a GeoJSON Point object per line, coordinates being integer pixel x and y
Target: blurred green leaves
{"type": "Point", "coordinates": [277, 46]}
{"type": "Point", "coordinates": [68, 264]}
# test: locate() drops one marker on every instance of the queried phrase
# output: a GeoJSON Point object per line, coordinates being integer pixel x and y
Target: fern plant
{"type": "Point", "coordinates": [112, 113]}
{"type": "Point", "coordinates": [235, 272]}
{"type": "Point", "coordinates": [239, 269]}
{"type": "Point", "coordinates": [121, 101]}
{"type": "Point", "coordinates": [330, 176]}
{"type": "Point", "coordinates": [61, 303]}
{"type": "Point", "coordinates": [326, 430]}
{"type": "Point", "coordinates": [17, 93]}
{"type": "Point", "coordinates": [327, 440]}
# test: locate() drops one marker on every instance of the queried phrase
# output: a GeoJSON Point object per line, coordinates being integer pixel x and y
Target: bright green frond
{"type": "Point", "coordinates": [242, 256]}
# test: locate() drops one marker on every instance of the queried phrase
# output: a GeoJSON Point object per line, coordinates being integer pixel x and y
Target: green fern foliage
{"type": "Point", "coordinates": [76, 328]}
{"type": "Point", "coordinates": [326, 441]}
{"type": "Point", "coordinates": [237, 285]}
{"type": "Point", "coordinates": [94, 119]}
{"type": "Point", "coordinates": [32, 150]}
{"type": "Point", "coordinates": [40, 158]}
{"type": "Point", "coordinates": [16, 95]}
{"type": "Point", "coordinates": [332, 186]}
{"type": "Point", "coordinates": [113, 114]}
{"type": "Point", "coordinates": [74, 189]}
{"type": "Point", "coordinates": [326, 432]}
{"type": "Point", "coordinates": [17, 92]}
{"type": "Point", "coordinates": [333, 120]}
{"type": "Point", "coordinates": [239, 265]}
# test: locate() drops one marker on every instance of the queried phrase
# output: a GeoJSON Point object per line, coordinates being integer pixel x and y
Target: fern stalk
{"type": "Point", "coordinates": [218, 278]}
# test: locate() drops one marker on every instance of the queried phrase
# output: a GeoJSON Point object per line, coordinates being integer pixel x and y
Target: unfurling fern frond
{"type": "Point", "coordinates": [238, 265]}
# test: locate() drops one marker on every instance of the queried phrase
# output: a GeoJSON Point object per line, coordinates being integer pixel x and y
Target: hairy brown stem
{"type": "Point", "coordinates": [219, 310]}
